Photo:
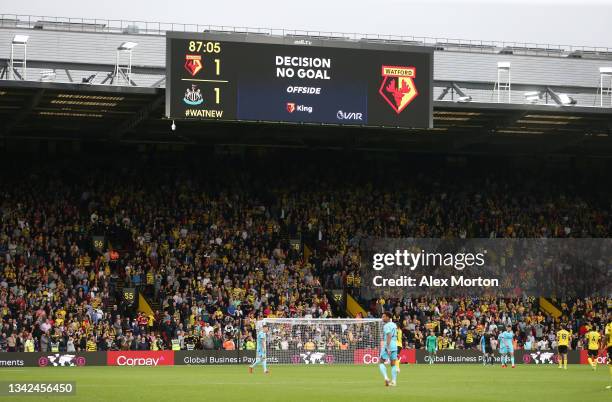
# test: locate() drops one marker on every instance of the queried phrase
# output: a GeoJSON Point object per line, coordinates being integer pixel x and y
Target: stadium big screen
{"type": "Point", "coordinates": [302, 80]}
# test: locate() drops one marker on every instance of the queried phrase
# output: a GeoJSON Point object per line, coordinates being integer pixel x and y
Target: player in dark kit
{"type": "Point", "coordinates": [486, 349]}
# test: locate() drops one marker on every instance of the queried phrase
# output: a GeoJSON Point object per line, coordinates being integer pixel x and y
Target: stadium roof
{"type": "Point", "coordinates": [83, 101]}
{"type": "Point", "coordinates": [78, 49]}
{"type": "Point", "coordinates": [36, 110]}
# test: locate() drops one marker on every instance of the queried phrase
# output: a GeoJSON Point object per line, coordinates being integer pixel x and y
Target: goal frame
{"type": "Point", "coordinates": [331, 340]}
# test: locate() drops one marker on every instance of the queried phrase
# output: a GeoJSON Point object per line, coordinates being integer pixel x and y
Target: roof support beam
{"type": "Point", "coordinates": [443, 94]}
{"type": "Point", "coordinates": [140, 116]}
{"type": "Point", "coordinates": [488, 130]}
{"type": "Point", "coordinates": [158, 82]}
{"type": "Point", "coordinates": [454, 88]}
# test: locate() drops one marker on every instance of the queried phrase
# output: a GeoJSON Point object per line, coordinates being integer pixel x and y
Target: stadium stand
{"type": "Point", "coordinates": [207, 240]}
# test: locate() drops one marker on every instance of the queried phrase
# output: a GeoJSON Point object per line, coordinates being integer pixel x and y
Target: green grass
{"type": "Point", "coordinates": [322, 383]}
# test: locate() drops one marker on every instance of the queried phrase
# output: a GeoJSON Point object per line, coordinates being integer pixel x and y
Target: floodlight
{"type": "Point", "coordinates": [127, 46]}
{"type": "Point", "coordinates": [532, 96]}
{"type": "Point", "coordinates": [505, 65]}
{"type": "Point", "coordinates": [605, 70]}
{"type": "Point", "coordinates": [20, 39]}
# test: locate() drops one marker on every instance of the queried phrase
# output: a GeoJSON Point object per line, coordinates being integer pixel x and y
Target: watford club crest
{"type": "Point", "coordinates": [193, 64]}
{"type": "Point", "coordinates": [397, 86]}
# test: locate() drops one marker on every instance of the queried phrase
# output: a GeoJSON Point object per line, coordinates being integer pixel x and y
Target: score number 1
{"type": "Point", "coordinates": [218, 72]}
{"type": "Point", "coordinates": [217, 90]}
{"type": "Point", "coordinates": [209, 47]}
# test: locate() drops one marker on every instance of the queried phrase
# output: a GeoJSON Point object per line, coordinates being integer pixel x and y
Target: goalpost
{"type": "Point", "coordinates": [322, 340]}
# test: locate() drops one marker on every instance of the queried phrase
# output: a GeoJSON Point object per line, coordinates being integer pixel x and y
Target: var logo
{"type": "Point", "coordinates": [349, 116]}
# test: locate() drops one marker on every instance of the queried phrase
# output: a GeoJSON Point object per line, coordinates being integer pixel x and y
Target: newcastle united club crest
{"type": "Point", "coordinates": [193, 96]}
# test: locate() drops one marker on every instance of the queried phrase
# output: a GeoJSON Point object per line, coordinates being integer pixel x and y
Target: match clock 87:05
{"type": "Point", "coordinates": [204, 46]}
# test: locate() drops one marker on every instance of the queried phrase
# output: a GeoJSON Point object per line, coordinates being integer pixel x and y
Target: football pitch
{"type": "Point", "coordinates": [321, 383]}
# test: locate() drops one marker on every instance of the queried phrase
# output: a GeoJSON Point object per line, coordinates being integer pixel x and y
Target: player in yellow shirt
{"type": "Point", "coordinates": [609, 345]}
{"type": "Point", "coordinates": [593, 338]}
{"type": "Point", "coordinates": [563, 337]}
{"type": "Point", "coordinates": [399, 345]}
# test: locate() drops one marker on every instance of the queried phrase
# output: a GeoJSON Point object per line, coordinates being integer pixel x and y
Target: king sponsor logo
{"type": "Point", "coordinates": [292, 107]}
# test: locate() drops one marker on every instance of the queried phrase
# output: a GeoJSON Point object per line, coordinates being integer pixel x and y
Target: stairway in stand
{"type": "Point", "coordinates": [115, 299]}
{"type": "Point", "coordinates": [154, 303]}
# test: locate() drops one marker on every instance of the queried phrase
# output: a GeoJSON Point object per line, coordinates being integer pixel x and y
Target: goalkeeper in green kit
{"type": "Point", "coordinates": [431, 344]}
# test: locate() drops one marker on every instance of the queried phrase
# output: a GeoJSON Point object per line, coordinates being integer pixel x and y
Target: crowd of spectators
{"type": "Point", "coordinates": [459, 323]}
{"type": "Point", "coordinates": [209, 241]}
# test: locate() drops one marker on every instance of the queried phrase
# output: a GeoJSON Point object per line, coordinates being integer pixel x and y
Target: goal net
{"type": "Point", "coordinates": [321, 340]}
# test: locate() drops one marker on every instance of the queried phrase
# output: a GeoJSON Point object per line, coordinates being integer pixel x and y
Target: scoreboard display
{"type": "Point", "coordinates": [247, 77]}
